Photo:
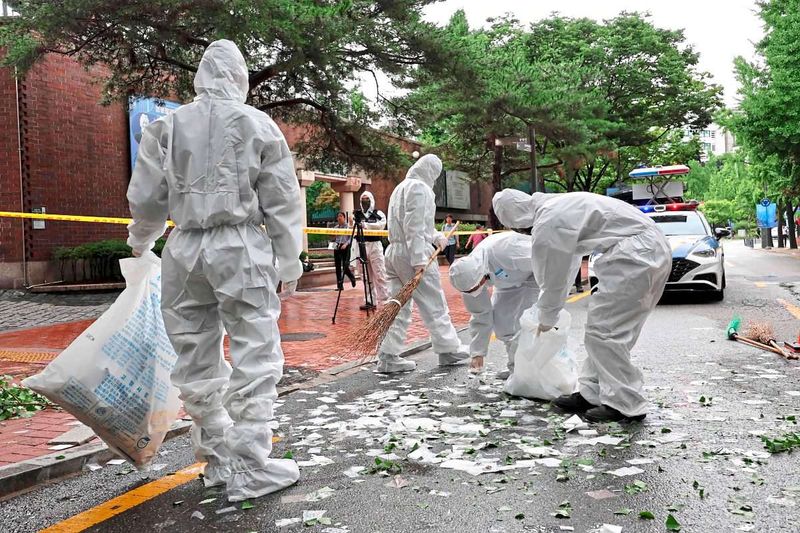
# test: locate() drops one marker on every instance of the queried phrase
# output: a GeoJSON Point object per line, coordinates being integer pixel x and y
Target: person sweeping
{"type": "Point", "coordinates": [412, 240]}
{"type": "Point", "coordinates": [222, 169]}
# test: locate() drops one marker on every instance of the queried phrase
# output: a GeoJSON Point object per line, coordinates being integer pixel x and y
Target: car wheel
{"type": "Point", "coordinates": [718, 296]}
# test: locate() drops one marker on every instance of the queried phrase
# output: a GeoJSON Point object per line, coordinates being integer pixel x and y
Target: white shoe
{"type": "Point", "coordinates": [391, 364]}
{"type": "Point", "coordinates": [277, 475]}
{"type": "Point", "coordinates": [458, 357]}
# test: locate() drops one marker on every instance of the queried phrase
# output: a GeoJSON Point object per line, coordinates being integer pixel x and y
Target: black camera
{"type": "Point", "coordinates": [359, 217]}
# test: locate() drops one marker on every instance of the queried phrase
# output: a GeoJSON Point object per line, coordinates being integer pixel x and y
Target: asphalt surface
{"type": "Point", "coordinates": [699, 453]}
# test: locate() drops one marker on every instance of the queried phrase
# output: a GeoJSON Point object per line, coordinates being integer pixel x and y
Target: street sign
{"type": "Point", "coordinates": [765, 202]}
{"type": "Point", "coordinates": [525, 147]}
{"type": "Point", "coordinates": [767, 215]}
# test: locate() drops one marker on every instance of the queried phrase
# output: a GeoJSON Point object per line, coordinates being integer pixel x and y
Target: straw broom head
{"type": "Point", "coordinates": [363, 342]}
{"type": "Point", "coordinates": [760, 331]}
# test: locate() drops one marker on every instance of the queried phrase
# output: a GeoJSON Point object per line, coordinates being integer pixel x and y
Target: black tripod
{"type": "Point", "coordinates": [358, 235]}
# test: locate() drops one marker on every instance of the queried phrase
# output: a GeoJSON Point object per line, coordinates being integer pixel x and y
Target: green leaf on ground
{"type": "Point", "coordinates": [672, 524]}
{"type": "Point", "coordinates": [247, 504]}
{"type": "Point", "coordinates": [785, 443]}
{"type": "Point", "coordinates": [288, 455]}
{"type": "Point", "coordinates": [519, 516]}
{"type": "Point", "coordinates": [636, 487]}
{"type": "Point", "coordinates": [647, 515]}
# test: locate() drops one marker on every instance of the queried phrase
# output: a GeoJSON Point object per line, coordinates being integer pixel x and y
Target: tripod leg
{"type": "Point", "coordinates": [336, 309]}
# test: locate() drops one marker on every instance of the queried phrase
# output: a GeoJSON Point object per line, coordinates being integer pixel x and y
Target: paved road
{"type": "Point", "coordinates": [702, 461]}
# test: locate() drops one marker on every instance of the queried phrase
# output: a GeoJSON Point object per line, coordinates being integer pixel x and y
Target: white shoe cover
{"type": "Point", "coordinates": [215, 474]}
{"type": "Point", "coordinates": [277, 475]}
{"type": "Point", "coordinates": [390, 364]}
{"type": "Point", "coordinates": [455, 358]}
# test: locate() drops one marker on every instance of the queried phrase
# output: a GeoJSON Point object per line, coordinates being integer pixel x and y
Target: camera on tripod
{"type": "Point", "coordinates": [358, 216]}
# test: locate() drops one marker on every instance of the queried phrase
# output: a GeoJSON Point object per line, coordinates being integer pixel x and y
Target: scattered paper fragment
{"type": "Point", "coordinates": [286, 522]}
{"type": "Point", "coordinates": [625, 471]}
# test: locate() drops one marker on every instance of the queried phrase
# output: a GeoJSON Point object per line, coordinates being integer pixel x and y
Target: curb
{"type": "Point", "coordinates": [29, 474]}
{"type": "Point", "coordinates": [26, 475]}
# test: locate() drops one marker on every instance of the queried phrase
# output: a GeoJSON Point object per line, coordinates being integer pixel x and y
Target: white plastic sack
{"type": "Point", "coordinates": [115, 377]}
{"type": "Point", "coordinates": [544, 368]}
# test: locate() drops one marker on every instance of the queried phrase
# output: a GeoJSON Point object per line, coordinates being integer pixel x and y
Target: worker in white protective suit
{"type": "Point", "coordinates": [412, 240]}
{"type": "Point", "coordinates": [222, 169]}
{"type": "Point", "coordinates": [374, 219]}
{"type": "Point", "coordinates": [503, 261]}
{"type": "Point", "coordinates": [632, 271]}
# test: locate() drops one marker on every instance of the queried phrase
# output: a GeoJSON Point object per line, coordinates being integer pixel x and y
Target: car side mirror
{"type": "Point", "coordinates": [719, 233]}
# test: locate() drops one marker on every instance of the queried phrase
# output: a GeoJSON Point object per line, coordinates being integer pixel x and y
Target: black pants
{"type": "Point", "coordinates": [450, 253]}
{"type": "Point", "coordinates": [341, 258]}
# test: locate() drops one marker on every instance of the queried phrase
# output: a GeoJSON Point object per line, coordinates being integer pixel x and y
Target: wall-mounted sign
{"type": "Point", "coordinates": [141, 112]}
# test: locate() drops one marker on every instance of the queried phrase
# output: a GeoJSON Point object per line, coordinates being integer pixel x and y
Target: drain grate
{"type": "Point", "coordinates": [302, 336]}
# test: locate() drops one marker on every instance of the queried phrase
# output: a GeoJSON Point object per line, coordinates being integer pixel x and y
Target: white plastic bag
{"type": "Point", "coordinates": [544, 368]}
{"type": "Point", "coordinates": [115, 377]}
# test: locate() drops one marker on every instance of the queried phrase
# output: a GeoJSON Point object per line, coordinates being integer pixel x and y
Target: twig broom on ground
{"type": "Point", "coordinates": [364, 341]}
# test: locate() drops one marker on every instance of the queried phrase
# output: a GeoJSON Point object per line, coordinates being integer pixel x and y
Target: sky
{"type": "Point", "coordinates": [719, 30]}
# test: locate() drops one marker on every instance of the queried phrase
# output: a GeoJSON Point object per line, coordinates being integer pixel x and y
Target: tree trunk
{"type": "Point", "coordinates": [792, 226]}
{"type": "Point", "coordinates": [780, 225]}
{"type": "Point", "coordinates": [497, 182]}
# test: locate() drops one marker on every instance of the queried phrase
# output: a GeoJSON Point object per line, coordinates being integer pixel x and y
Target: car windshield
{"type": "Point", "coordinates": [680, 224]}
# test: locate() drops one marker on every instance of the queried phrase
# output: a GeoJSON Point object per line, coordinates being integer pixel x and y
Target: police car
{"type": "Point", "coordinates": [698, 260]}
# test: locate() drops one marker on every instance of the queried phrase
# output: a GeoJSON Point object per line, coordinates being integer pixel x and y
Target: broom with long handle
{"type": "Point", "coordinates": [733, 334]}
{"type": "Point", "coordinates": [364, 341]}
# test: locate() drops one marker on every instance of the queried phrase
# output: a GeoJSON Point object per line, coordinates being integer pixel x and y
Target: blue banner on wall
{"type": "Point", "coordinates": [141, 112]}
{"type": "Point", "coordinates": [766, 214]}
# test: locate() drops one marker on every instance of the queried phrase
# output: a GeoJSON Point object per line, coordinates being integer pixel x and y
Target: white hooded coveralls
{"type": "Point", "coordinates": [374, 249]}
{"type": "Point", "coordinates": [412, 237]}
{"type": "Point", "coordinates": [506, 259]}
{"type": "Point", "coordinates": [632, 272]}
{"type": "Point", "coordinates": [222, 168]}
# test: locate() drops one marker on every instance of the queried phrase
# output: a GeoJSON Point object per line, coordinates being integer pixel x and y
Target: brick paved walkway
{"type": "Point", "coordinates": [24, 352]}
{"type": "Point", "coordinates": [25, 310]}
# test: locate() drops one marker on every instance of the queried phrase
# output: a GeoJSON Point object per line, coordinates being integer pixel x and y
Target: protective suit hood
{"type": "Point", "coordinates": [467, 272]}
{"type": "Point", "coordinates": [515, 209]}
{"type": "Point", "coordinates": [369, 195]}
{"type": "Point", "coordinates": [426, 170]}
{"type": "Point", "coordinates": [222, 72]}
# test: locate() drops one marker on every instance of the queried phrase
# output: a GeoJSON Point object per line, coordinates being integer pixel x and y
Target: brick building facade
{"type": "Point", "coordinates": [63, 151]}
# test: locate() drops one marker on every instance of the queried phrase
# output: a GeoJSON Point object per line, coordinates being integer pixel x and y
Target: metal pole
{"type": "Point", "coordinates": [535, 187]}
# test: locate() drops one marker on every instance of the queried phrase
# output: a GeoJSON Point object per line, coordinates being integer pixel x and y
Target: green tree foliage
{"type": "Point", "coordinates": [326, 199]}
{"type": "Point", "coordinates": [766, 121]}
{"type": "Point", "coordinates": [603, 98]}
{"type": "Point", "coordinates": [305, 55]}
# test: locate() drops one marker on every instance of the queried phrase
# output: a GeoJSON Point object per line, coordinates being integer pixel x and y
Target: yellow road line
{"type": "Point", "coordinates": [793, 309]}
{"type": "Point", "coordinates": [124, 502]}
{"type": "Point", "coordinates": [129, 500]}
{"type": "Point", "coordinates": [760, 284]}
{"type": "Point", "coordinates": [580, 296]}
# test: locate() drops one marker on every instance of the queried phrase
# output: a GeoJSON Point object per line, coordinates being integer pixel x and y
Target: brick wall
{"type": "Point", "coordinates": [10, 229]}
{"type": "Point", "coordinates": [76, 153]}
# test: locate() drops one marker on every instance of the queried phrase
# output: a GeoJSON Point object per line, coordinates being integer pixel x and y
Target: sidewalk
{"type": "Point", "coordinates": [311, 344]}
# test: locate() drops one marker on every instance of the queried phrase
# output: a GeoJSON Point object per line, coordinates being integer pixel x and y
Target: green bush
{"type": "Point", "coordinates": [96, 261]}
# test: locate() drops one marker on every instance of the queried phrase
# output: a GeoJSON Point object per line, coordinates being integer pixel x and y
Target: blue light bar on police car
{"type": "Point", "coordinates": [649, 172]}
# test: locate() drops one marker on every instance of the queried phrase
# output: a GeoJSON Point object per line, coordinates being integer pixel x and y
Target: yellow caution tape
{"type": "Point", "coordinates": [115, 220]}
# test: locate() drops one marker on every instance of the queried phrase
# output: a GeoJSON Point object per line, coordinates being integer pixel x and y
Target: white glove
{"type": "Point", "coordinates": [441, 241]}
{"type": "Point", "coordinates": [289, 288]}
